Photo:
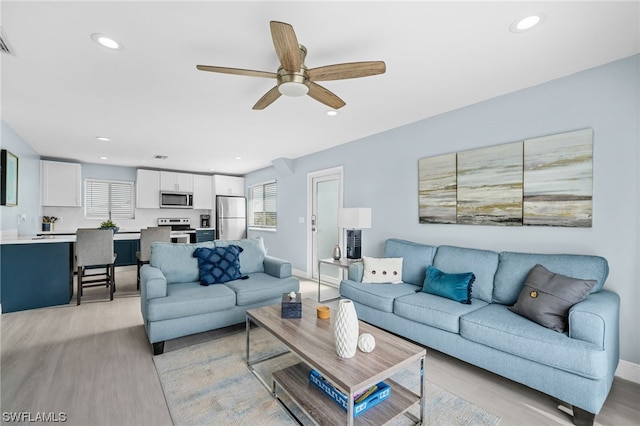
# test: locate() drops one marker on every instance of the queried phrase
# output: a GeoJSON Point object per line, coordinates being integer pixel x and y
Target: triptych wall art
{"type": "Point", "coordinates": [545, 181]}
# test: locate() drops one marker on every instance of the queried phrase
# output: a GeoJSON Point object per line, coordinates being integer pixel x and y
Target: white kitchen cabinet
{"type": "Point", "coordinates": [61, 183]}
{"type": "Point", "coordinates": [174, 181]}
{"type": "Point", "coordinates": [147, 189]}
{"type": "Point", "coordinates": [202, 192]}
{"type": "Point", "coordinates": [228, 185]}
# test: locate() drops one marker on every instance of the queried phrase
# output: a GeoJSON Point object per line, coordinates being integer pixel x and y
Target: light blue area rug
{"type": "Point", "coordinates": [209, 384]}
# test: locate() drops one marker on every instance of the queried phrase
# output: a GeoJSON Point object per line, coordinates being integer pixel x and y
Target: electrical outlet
{"type": "Point", "coordinates": [60, 219]}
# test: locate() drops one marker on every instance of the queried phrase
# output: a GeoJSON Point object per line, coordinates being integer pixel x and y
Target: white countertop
{"type": "Point", "coordinates": [57, 238]}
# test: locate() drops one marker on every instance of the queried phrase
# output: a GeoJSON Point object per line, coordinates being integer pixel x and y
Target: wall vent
{"type": "Point", "coordinates": [160, 157]}
{"type": "Point", "coordinates": [5, 47]}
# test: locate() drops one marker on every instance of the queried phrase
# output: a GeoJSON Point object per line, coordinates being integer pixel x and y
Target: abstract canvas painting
{"type": "Point", "coordinates": [544, 181]}
{"type": "Point", "coordinates": [8, 179]}
{"type": "Point", "coordinates": [490, 185]}
{"type": "Point", "coordinates": [558, 183]}
{"type": "Point", "coordinates": [437, 189]}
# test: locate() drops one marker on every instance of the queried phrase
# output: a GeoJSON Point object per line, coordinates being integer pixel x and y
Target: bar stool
{"type": "Point", "coordinates": [147, 237]}
{"type": "Point", "coordinates": [94, 250]}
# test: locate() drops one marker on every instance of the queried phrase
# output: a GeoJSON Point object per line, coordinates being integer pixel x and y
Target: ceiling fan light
{"type": "Point", "coordinates": [293, 89]}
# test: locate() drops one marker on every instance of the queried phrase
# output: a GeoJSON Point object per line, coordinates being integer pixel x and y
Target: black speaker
{"type": "Point", "coordinates": [354, 243]}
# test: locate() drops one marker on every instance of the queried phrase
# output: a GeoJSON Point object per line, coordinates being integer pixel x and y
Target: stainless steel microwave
{"type": "Point", "coordinates": [176, 200]}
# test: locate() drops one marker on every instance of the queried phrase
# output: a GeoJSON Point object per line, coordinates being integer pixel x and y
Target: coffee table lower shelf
{"type": "Point", "coordinates": [295, 382]}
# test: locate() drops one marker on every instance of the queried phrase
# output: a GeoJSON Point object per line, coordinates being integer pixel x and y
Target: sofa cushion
{"type": "Point", "coordinates": [415, 258]}
{"type": "Point", "coordinates": [190, 298]}
{"type": "Point", "coordinates": [252, 256]}
{"type": "Point", "coordinates": [514, 268]}
{"type": "Point", "coordinates": [260, 287]}
{"type": "Point", "coordinates": [176, 260]}
{"type": "Point", "coordinates": [378, 296]}
{"type": "Point", "coordinates": [382, 270]}
{"type": "Point", "coordinates": [459, 260]}
{"type": "Point", "coordinates": [497, 327]}
{"type": "Point", "coordinates": [546, 297]}
{"type": "Point", "coordinates": [452, 286]}
{"type": "Point", "coordinates": [434, 311]}
{"type": "Point", "coordinates": [218, 265]}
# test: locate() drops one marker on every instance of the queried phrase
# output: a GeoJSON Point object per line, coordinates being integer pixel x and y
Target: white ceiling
{"type": "Point", "coordinates": [61, 90]}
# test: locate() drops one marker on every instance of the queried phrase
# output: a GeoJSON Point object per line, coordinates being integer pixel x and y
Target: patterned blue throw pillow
{"type": "Point", "coordinates": [219, 264]}
{"type": "Point", "coordinates": [452, 286]}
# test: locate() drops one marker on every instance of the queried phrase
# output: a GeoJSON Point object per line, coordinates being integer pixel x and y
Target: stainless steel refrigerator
{"type": "Point", "coordinates": [231, 217]}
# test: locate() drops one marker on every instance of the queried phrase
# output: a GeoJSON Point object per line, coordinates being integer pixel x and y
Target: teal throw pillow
{"type": "Point", "coordinates": [219, 264]}
{"type": "Point", "coordinates": [452, 286]}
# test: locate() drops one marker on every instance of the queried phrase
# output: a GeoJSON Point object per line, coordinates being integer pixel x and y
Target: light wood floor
{"type": "Point", "coordinates": [94, 363]}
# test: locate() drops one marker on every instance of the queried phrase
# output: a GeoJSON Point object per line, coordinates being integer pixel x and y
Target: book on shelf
{"type": "Point", "coordinates": [362, 401]}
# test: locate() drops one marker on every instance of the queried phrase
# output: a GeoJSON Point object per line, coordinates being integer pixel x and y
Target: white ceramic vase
{"type": "Point", "coordinates": [345, 329]}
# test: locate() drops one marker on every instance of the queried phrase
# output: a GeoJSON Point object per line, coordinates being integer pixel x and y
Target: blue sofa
{"type": "Point", "coordinates": [174, 304]}
{"type": "Point", "coordinates": [576, 367]}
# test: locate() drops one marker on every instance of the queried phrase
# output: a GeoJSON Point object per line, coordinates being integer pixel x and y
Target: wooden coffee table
{"type": "Point", "coordinates": [311, 340]}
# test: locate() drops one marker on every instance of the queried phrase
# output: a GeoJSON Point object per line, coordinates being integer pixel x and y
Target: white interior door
{"type": "Point", "coordinates": [326, 198]}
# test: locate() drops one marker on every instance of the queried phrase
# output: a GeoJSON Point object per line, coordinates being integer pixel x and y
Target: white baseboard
{"type": "Point", "coordinates": [301, 274]}
{"type": "Point", "coordinates": [628, 371]}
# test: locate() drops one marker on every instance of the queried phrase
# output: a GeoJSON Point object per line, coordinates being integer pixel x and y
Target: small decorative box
{"type": "Point", "coordinates": [291, 307]}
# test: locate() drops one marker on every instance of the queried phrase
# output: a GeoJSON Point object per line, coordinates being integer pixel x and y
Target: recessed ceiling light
{"type": "Point", "coordinates": [104, 158]}
{"type": "Point", "coordinates": [526, 23]}
{"type": "Point", "coordinates": [238, 158]}
{"type": "Point", "coordinates": [106, 41]}
{"type": "Point", "coordinates": [103, 139]}
{"type": "Point", "coordinates": [332, 113]}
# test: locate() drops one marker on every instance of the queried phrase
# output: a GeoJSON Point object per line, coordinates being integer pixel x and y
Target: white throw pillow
{"type": "Point", "coordinates": [382, 270]}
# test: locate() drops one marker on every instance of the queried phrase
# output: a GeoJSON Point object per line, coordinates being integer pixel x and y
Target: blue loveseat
{"type": "Point", "coordinates": [174, 304]}
{"type": "Point", "coordinates": [576, 366]}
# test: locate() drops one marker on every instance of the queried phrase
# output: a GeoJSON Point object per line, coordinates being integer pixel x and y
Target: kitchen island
{"type": "Point", "coordinates": [37, 271]}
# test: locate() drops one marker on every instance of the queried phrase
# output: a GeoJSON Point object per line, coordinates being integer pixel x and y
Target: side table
{"type": "Point", "coordinates": [342, 263]}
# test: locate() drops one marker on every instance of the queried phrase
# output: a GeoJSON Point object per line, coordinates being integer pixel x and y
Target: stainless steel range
{"type": "Point", "coordinates": [181, 230]}
{"type": "Point", "coordinates": [176, 224]}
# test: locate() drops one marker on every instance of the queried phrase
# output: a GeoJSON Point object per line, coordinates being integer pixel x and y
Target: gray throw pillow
{"type": "Point", "coordinates": [547, 297]}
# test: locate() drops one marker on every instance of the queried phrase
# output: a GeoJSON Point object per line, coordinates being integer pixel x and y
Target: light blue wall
{"type": "Point", "coordinates": [381, 172]}
{"type": "Point", "coordinates": [28, 184]}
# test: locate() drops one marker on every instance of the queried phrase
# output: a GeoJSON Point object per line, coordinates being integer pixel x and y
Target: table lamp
{"type": "Point", "coordinates": [354, 219]}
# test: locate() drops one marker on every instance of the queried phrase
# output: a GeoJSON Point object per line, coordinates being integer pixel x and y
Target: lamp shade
{"type": "Point", "coordinates": [354, 218]}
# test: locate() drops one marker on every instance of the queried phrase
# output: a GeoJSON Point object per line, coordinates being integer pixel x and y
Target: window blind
{"type": "Point", "coordinates": [262, 205]}
{"type": "Point", "coordinates": [104, 199]}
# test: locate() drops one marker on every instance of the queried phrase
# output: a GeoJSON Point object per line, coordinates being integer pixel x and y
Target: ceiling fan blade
{"type": "Point", "coordinates": [286, 44]}
{"type": "Point", "coordinates": [237, 71]}
{"type": "Point", "coordinates": [267, 99]}
{"type": "Point", "coordinates": [325, 96]}
{"type": "Point", "coordinates": [348, 70]}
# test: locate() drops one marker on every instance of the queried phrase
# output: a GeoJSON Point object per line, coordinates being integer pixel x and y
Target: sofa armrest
{"type": "Point", "coordinates": [276, 267]}
{"type": "Point", "coordinates": [153, 283]}
{"type": "Point", "coordinates": [596, 320]}
{"type": "Point", "coordinates": [356, 271]}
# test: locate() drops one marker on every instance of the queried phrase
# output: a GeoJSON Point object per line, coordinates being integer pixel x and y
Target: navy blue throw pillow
{"type": "Point", "coordinates": [452, 286]}
{"type": "Point", "coordinates": [219, 264]}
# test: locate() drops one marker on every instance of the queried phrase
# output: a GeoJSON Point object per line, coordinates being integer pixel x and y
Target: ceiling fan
{"type": "Point", "coordinates": [294, 78]}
